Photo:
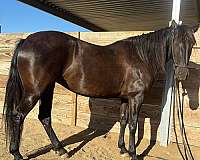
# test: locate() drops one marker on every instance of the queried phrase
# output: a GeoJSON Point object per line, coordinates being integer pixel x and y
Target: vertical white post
{"type": "Point", "coordinates": [167, 102]}
{"type": "Point", "coordinates": [167, 110]}
{"type": "Point", "coordinates": [176, 10]}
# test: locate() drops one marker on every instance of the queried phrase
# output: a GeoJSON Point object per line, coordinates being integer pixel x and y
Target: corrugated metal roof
{"type": "Point", "coordinates": [119, 15]}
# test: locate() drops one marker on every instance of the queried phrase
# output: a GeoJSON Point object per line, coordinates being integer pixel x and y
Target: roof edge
{"type": "Point", "coordinates": [66, 15]}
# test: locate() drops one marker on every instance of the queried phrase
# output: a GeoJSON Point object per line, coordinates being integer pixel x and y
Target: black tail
{"type": "Point", "coordinates": [13, 93]}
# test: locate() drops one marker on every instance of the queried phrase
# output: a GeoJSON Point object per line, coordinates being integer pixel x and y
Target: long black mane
{"type": "Point", "coordinates": [152, 48]}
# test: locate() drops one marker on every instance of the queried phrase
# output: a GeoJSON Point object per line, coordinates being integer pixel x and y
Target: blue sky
{"type": "Point", "coordinates": [19, 17]}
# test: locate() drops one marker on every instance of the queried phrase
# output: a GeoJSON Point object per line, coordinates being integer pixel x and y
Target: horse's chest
{"type": "Point", "coordinates": [137, 80]}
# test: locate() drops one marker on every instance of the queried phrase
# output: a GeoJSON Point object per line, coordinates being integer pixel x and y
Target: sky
{"type": "Point", "coordinates": [16, 17]}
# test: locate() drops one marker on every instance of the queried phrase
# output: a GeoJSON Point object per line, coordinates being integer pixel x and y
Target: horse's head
{"type": "Point", "coordinates": [182, 42]}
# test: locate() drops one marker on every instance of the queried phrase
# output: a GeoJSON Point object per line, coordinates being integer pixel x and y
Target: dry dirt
{"type": "Point", "coordinates": [82, 145]}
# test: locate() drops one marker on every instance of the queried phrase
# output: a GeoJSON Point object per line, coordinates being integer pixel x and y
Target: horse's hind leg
{"type": "Point", "coordinates": [25, 106]}
{"type": "Point", "coordinates": [45, 118]}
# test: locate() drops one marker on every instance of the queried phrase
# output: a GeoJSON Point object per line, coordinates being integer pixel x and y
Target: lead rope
{"type": "Point", "coordinates": [179, 107]}
{"type": "Point", "coordinates": [174, 120]}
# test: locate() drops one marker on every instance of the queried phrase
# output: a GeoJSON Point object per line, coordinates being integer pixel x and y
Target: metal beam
{"type": "Point", "coordinates": [66, 15]}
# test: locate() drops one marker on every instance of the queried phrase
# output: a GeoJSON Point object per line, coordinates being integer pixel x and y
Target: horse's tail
{"type": "Point", "coordinates": [13, 93]}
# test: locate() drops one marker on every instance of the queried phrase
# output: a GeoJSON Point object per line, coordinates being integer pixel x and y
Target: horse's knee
{"type": "Point", "coordinates": [123, 119]}
{"type": "Point", "coordinates": [123, 122]}
{"type": "Point", "coordinates": [44, 114]}
{"type": "Point", "coordinates": [132, 125]}
{"type": "Point", "coordinates": [46, 121]}
{"type": "Point", "coordinates": [27, 103]}
{"type": "Point", "coordinates": [17, 117]}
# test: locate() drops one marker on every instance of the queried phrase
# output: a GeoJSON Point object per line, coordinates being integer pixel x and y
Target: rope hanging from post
{"type": "Point", "coordinates": [178, 105]}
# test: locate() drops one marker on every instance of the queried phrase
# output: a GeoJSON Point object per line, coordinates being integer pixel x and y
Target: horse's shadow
{"type": "Point", "coordinates": [101, 125]}
{"type": "Point", "coordinates": [98, 126]}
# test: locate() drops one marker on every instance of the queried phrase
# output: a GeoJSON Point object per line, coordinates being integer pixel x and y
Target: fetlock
{"type": "Point", "coordinates": [133, 156]}
{"type": "Point", "coordinates": [17, 155]}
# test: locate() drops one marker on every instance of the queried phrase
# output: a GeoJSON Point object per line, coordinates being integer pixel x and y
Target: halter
{"type": "Point", "coordinates": [172, 51]}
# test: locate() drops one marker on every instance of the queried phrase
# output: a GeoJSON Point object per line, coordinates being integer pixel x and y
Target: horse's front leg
{"type": "Point", "coordinates": [123, 123]}
{"type": "Point", "coordinates": [134, 107]}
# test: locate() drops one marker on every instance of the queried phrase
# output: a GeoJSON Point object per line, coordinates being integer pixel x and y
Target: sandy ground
{"type": "Point", "coordinates": [83, 145]}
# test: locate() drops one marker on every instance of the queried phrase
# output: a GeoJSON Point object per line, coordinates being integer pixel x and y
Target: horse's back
{"type": "Point", "coordinates": [87, 69]}
{"type": "Point", "coordinates": [96, 71]}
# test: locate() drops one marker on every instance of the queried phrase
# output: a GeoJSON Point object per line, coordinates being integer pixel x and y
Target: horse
{"type": "Point", "coordinates": [124, 69]}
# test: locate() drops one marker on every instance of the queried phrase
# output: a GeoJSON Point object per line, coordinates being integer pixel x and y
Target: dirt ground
{"type": "Point", "coordinates": [83, 145]}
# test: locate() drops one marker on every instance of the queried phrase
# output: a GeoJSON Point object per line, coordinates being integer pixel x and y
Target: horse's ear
{"type": "Point", "coordinates": [195, 28]}
{"type": "Point", "coordinates": [174, 24]}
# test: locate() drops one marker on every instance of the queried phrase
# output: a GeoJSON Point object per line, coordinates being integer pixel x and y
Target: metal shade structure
{"type": "Point", "coordinates": [119, 15]}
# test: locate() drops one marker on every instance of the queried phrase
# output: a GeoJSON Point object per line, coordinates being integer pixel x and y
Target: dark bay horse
{"type": "Point", "coordinates": [125, 69]}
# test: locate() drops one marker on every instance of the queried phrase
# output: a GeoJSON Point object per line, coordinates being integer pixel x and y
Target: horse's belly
{"type": "Point", "coordinates": [94, 88]}
{"type": "Point", "coordinates": [99, 89]}
{"type": "Point", "coordinates": [93, 84]}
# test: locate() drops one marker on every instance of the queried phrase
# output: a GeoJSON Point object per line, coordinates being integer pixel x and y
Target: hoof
{"type": "Point", "coordinates": [123, 155]}
{"type": "Point", "coordinates": [134, 157]}
{"type": "Point", "coordinates": [64, 156]}
{"type": "Point", "coordinates": [25, 157]}
{"type": "Point", "coordinates": [17, 156]}
{"type": "Point", "coordinates": [124, 152]}
{"type": "Point", "coordinates": [62, 153]}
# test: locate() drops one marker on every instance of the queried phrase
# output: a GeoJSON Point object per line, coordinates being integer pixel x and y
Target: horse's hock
{"type": "Point", "coordinates": [104, 114]}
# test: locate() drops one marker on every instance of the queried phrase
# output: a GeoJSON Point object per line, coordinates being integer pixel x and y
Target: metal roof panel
{"type": "Point", "coordinates": [119, 15]}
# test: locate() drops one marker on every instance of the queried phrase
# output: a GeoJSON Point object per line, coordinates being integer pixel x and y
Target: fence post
{"type": "Point", "coordinates": [74, 109]}
{"type": "Point", "coordinates": [74, 103]}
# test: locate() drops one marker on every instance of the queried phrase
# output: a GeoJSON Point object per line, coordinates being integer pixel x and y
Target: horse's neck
{"type": "Point", "coordinates": [153, 54]}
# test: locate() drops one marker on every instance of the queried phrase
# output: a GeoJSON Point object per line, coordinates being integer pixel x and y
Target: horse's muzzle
{"type": "Point", "coordinates": [181, 73]}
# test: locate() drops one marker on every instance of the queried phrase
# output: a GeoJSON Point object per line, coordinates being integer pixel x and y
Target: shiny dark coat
{"type": "Point", "coordinates": [124, 69]}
